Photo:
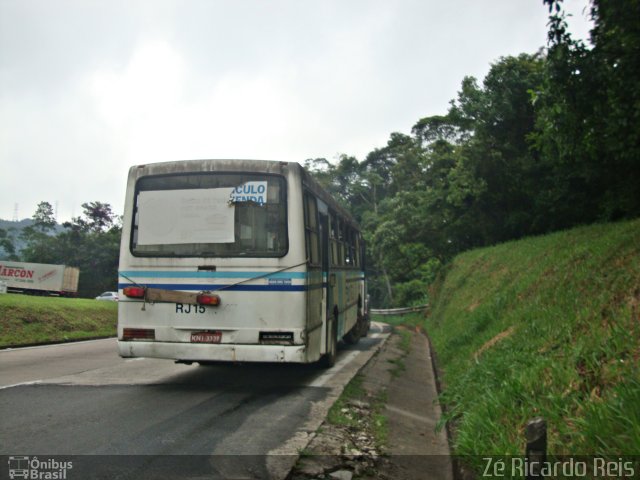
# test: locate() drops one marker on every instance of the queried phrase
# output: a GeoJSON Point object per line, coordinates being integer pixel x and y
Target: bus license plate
{"type": "Point", "coordinates": [206, 337]}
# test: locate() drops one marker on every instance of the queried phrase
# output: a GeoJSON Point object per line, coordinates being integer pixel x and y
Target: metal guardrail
{"type": "Point", "coordinates": [398, 311]}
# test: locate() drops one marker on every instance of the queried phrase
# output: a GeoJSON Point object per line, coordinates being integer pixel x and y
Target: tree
{"type": "Point", "coordinates": [97, 217]}
{"type": "Point", "coordinates": [588, 126]}
{"type": "Point", "coordinates": [38, 236]}
{"type": "Point", "coordinates": [44, 218]}
{"type": "Point", "coordinates": [7, 245]}
{"type": "Point", "coordinates": [497, 121]}
{"type": "Point", "coordinates": [90, 242]}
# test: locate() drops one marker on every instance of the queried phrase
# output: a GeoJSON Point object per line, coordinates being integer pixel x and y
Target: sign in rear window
{"type": "Point", "coordinates": [186, 216]}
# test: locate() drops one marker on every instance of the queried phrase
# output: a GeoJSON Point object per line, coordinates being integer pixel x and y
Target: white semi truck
{"type": "Point", "coordinates": [39, 278]}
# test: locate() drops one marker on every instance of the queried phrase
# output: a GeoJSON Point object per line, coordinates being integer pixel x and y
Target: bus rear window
{"type": "Point", "coordinates": [210, 215]}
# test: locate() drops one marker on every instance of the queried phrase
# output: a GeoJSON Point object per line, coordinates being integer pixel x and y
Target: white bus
{"type": "Point", "coordinates": [237, 260]}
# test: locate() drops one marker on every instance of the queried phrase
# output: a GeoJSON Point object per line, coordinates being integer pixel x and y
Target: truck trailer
{"type": "Point", "coordinates": [40, 278]}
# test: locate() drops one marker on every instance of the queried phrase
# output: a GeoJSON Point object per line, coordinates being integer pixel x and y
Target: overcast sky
{"type": "Point", "coordinates": [90, 87]}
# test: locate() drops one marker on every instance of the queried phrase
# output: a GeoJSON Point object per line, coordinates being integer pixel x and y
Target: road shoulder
{"type": "Point", "coordinates": [396, 399]}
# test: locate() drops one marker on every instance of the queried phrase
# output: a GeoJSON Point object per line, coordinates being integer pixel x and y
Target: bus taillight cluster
{"type": "Point", "coordinates": [208, 299]}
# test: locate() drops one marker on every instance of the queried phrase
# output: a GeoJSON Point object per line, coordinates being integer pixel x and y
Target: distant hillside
{"type": "Point", "coordinates": [20, 224]}
{"type": "Point", "coordinates": [14, 229]}
{"type": "Point", "coordinates": [546, 326]}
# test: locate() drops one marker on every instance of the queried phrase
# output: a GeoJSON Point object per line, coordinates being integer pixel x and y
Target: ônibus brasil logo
{"type": "Point", "coordinates": [36, 469]}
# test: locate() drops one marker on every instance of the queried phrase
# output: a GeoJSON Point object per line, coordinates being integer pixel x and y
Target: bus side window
{"type": "Point", "coordinates": [340, 233]}
{"type": "Point", "coordinates": [311, 229]}
{"type": "Point", "coordinates": [351, 248]}
{"type": "Point", "coordinates": [344, 242]}
{"type": "Point", "coordinates": [334, 239]}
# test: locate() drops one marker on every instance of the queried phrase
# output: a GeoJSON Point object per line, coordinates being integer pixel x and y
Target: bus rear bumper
{"type": "Point", "coordinates": [193, 352]}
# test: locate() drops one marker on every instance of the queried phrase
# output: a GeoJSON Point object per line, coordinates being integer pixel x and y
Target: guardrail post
{"type": "Point", "coordinates": [536, 452]}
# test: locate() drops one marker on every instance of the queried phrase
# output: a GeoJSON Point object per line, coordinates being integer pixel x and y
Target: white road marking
{"type": "Point", "coordinates": [35, 382]}
{"type": "Point", "coordinates": [65, 344]}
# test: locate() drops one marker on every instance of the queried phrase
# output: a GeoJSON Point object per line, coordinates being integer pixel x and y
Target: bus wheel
{"type": "Point", "coordinates": [328, 360]}
{"type": "Point", "coordinates": [366, 325]}
{"type": "Point", "coordinates": [353, 336]}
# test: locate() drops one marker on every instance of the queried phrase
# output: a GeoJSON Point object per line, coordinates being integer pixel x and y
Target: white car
{"type": "Point", "coordinates": [109, 296]}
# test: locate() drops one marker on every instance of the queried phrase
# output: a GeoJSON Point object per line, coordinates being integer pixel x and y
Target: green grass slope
{"type": "Point", "coordinates": [546, 326]}
{"type": "Point", "coordinates": [28, 320]}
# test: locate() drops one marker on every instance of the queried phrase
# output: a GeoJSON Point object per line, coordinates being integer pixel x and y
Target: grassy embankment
{"type": "Point", "coordinates": [28, 320]}
{"type": "Point", "coordinates": [546, 326]}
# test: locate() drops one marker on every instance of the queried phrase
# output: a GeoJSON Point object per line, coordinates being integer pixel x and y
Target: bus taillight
{"type": "Point", "coordinates": [134, 292]}
{"type": "Point", "coordinates": [138, 334]}
{"type": "Point", "coordinates": [208, 299]}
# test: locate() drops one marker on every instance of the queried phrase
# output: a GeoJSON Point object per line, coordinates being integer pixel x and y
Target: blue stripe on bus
{"type": "Point", "coordinates": [174, 274]}
{"type": "Point", "coordinates": [228, 287]}
{"type": "Point", "coordinates": [274, 287]}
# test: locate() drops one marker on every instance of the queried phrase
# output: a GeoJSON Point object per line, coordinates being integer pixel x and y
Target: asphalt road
{"type": "Point", "coordinates": [147, 418]}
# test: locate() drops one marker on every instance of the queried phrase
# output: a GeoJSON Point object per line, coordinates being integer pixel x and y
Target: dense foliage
{"type": "Point", "coordinates": [547, 141]}
{"type": "Point", "coordinates": [90, 242]}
